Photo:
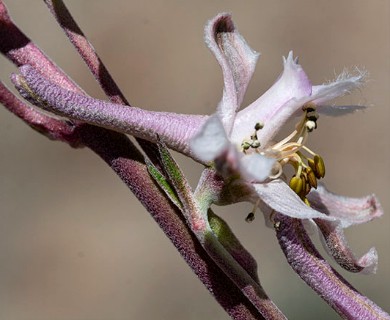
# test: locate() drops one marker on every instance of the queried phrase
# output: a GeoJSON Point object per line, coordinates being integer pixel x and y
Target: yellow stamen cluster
{"type": "Point", "coordinates": [291, 150]}
{"type": "Point", "coordinates": [308, 169]}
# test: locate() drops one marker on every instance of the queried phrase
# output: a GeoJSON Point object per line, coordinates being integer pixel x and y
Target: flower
{"type": "Point", "coordinates": [239, 143]}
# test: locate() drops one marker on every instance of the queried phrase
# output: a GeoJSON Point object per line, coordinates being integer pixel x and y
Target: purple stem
{"type": "Point", "coordinates": [118, 152]}
{"type": "Point", "coordinates": [86, 51]}
{"type": "Point", "coordinates": [306, 261]}
{"type": "Point", "coordinates": [18, 48]}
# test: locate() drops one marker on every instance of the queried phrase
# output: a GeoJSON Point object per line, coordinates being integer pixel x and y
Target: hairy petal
{"type": "Point", "coordinates": [278, 196]}
{"type": "Point", "coordinates": [305, 260]}
{"type": "Point", "coordinates": [344, 84]}
{"type": "Point", "coordinates": [276, 105]}
{"type": "Point", "coordinates": [237, 61]}
{"type": "Point", "coordinates": [174, 129]}
{"type": "Point", "coordinates": [335, 111]}
{"type": "Point", "coordinates": [336, 245]}
{"type": "Point", "coordinates": [349, 211]}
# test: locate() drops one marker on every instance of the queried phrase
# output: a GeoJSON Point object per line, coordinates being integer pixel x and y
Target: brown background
{"type": "Point", "coordinates": [75, 244]}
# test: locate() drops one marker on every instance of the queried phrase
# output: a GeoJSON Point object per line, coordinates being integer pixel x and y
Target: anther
{"type": "Point", "coordinates": [250, 217]}
{"type": "Point", "coordinates": [311, 177]}
{"type": "Point", "coordinates": [319, 165]}
{"type": "Point", "coordinates": [296, 184]}
{"type": "Point", "coordinates": [255, 144]}
{"type": "Point", "coordinates": [309, 107]}
{"type": "Point", "coordinates": [259, 126]}
{"type": "Point", "coordinates": [312, 115]}
{"type": "Point", "coordinates": [246, 145]}
{"type": "Point", "coordinates": [312, 165]}
{"type": "Point", "coordinates": [310, 125]}
{"type": "Point", "coordinates": [307, 187]}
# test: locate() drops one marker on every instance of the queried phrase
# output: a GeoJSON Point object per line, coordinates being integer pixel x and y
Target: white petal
{"type": "Point", "coordinates": [211, 141]}
{"type": "Point", "coordinates": [237, 61]}
{"type": "Point", "coordinates": [256, 167]}
{"type": "Point", "coordinates": [334, 111]}
{"type": "Point", "coordinates": [343, 85]}
{"type": "Point", "coordinates": [276, 105]}
{"type": "Point", "coordinates": [278, 196]}
{"type": "Point", "coordinates": [350, 211]}
{"type": "Point", "coordinates": [335, 243]}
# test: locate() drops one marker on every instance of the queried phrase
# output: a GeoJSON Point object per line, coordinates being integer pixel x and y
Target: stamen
{"type": "Point", "coordinates": [289, 150]}
{"type": "Point", "coordinates": [278, 169]}
{"type": "Point", "coordinates": [308, 150]}
{"type": "Point", "coordinates": [251, 215]}
{"type": "Point", "coordinates": [274, 222]}
{"type": "Point", "coordinates": [254, 141]}
{"type": "Point", "coordinates": [259, 126]}
{"type": "Point", "coordinates": [308, 168]}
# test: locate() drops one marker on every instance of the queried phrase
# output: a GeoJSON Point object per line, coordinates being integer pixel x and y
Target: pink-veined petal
{"type": "Point", "coordinates": [348, 210]}
{"type": "Point", "coordinates": [211, 141]}
{"type": "Point", "coordinates": [237, 61]}
{"type": "Point", "coordinates": [276, 105]}
{"type": "Point", "coordinates": [335, 243]}
{"type": "Point", "coordinates": [278, 196]}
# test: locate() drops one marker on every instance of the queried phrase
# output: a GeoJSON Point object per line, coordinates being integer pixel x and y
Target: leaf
{"type": "Point", "coordinates": [163, 183]}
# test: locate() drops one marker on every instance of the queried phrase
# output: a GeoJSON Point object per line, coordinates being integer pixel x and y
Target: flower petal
{"type": "Point", "coordinates": [336, 245]}
{"type": "Point", "coordinates": [276, 105]}
{"type": "Point", "coordinates": [349, 211]}
{"type": "Point", "coordinates": [211, 141]}
{"type": "Point", "coordinates": [255, 167]}
{"type": "Point", "coordinates": [278, 196]}
{"type": "Point", "coordinates": [343, 85]}
{"type": "Point", "coordinates": [333, 110]}
{"type": "Point", "coordinates": [237, 61]}
{"type": "Point", "coordinates": [175, 130]}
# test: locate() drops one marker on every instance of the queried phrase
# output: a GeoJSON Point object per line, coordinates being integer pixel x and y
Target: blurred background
{"type": "Point", "coordinates": [74, 242]}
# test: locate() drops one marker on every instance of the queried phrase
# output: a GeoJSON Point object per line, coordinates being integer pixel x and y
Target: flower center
{"type": "Point", "coordinates": [308, 165]}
